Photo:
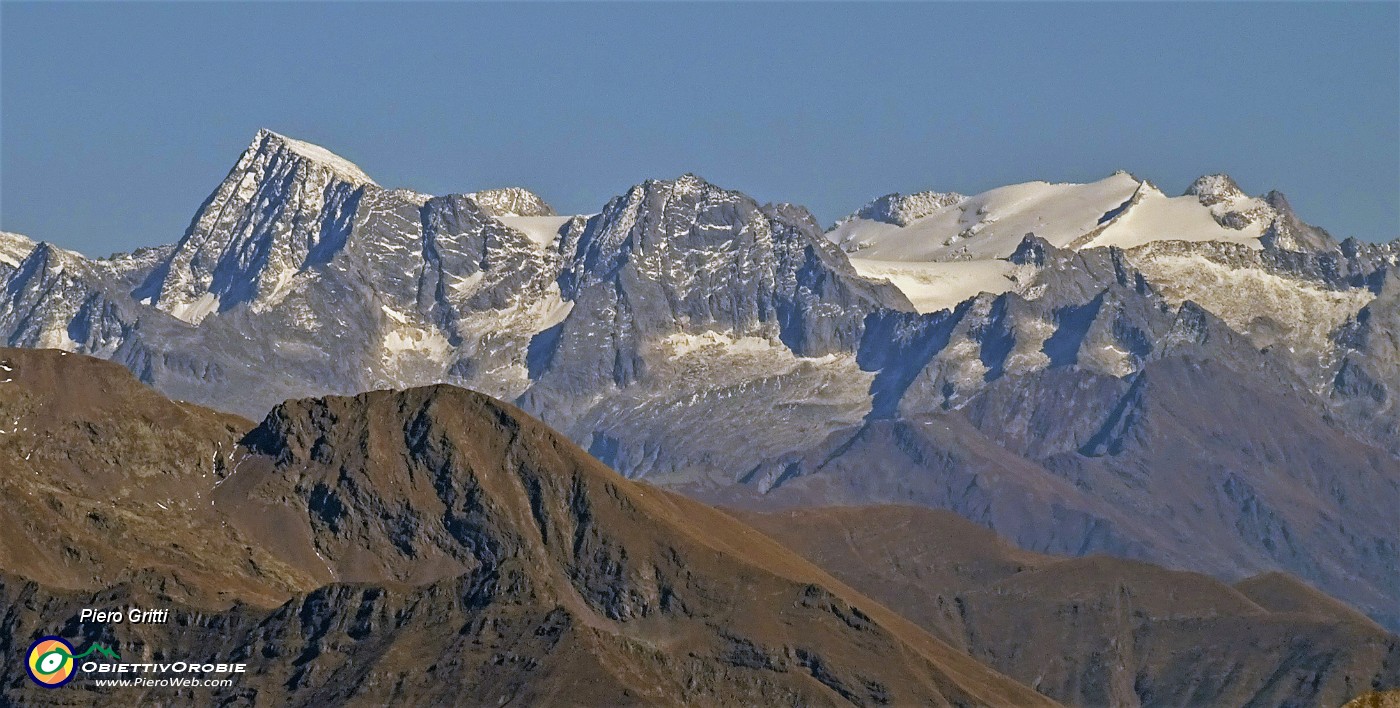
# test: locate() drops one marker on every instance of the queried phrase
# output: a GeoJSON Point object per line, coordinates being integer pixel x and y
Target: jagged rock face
{"type": "Point", "coordinates": [1299, 302]}
{"type": "Point", "coordinates": [900, 209]}
{"type": "Point", "coordinates": [1088, 310]}
{"type": "Point", "coordinates": [1215, 189]}
{"type": "Point", "coordinates": [127, 271]}
{"type": "Point", "coordinates": [684, 258]}
{"type": "Point", "coordinates": [511, 201]}
{"type": "Point", "coordinates": [456, 294]}
{"type": "Point", "coordinates": [1289, 233]}
{"type": "Point", "coordinates": [52, 301]}
{"type": "Point", "coordinates": [371, 288]}
{"type": "Point", "coordinates": [1233, 209]}
{"type": "Point", "coordinates": [1281, 227]}
{"type": "Point", "coordinates": [714, 259]}
{"type": "Point", "coordinates": [1188, 463]}
{"type": "Point", "coordinates": [280, 208]}
{"type": "Point", "coordinates": [1367, 379]}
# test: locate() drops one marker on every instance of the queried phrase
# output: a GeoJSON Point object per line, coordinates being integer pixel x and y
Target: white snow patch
{"type": "Point", "coordinates": [552, 308]}
{"type": "Point", "coordinates": [991, 224]}
{"type": "Point", "coordinates": [465, 284]}
{"type": "Point", "coordinates": [394, 315]}
{"type": "Point", "coordinates": [940, 286]}
{"type": "Point", "coordinates": [682, 343]}
{"type": "Point", "coordinates": [407, 341]}
{"type": "Point", "coordinates": [543, 230]}
{"type": "Point", "coordinates": [195, 311]}
{"type": "Point", "coordinates": [1246, 297]}
{"type": "Point", "coordinates": [1158, 217]}
{"type": "Point", "coordinates": [1118, 211]}
{"type": "Point", "coordinates": [404, 339]}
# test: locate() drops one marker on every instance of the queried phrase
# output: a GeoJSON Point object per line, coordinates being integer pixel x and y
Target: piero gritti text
{"type": "Point", "coordinates": [130, 615]}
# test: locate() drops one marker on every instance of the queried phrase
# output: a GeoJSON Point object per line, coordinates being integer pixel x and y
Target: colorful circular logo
{"type": "Point", "coordinates": [50, 662]}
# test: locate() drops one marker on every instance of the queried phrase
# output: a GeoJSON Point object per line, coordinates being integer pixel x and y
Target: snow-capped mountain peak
{"type": "Point", "coordinates": [283, 202]}
{"type": "Point", "coordinates": [990, 224]}
{"type": "Point", "coordinates": [1214, 188]}
{"type": "Point", "coordinates": [266, 140]}
{"type": "Point", "coordinates": [951, 250]}
{"type": "Point", "coordinates": [1120, 210]}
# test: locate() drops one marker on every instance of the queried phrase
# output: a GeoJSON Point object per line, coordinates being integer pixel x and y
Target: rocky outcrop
{"type": "Point", "coordinates": [901, 209]}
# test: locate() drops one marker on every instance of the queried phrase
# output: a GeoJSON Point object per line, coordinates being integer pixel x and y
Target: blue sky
{"type": "Point", "coordinates": [116, 121]}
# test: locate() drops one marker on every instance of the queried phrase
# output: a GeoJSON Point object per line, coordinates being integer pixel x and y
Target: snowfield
{"type": "Point", "coordinates": [543, 230]}
{"type": "Point", "coordinates": [1120, 210]}
{"type": "Point", "coordinates": [935, 286]}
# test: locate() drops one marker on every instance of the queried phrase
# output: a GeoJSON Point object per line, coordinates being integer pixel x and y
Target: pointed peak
{"type": "Point", "coordinates": [1033, 250]}
{"type": "Point", "coordinates": [48, 259]}
{"type": "Point", "coordinates": [268, 141]}
{"type": "Point", "coordinates": [1276, 200]}
{"type": "Point", "coordinates": [1146, 187]}
{"type": "Point", "coordinates": [1214, 188]}
{"type": "Point", "coordinates": [45, 251]}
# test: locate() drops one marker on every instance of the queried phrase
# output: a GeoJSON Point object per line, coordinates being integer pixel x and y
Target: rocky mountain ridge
{"type": "Point", "coordinates": [423, 546]}
{"type": "Point", "coordinates": [683, 306]}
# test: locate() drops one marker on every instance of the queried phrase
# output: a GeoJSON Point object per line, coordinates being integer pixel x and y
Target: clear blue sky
{"type": "Point", "coordinates": [118, 120]}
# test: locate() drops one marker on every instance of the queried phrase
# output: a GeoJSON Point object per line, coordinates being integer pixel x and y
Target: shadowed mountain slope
{"type": "Point", "coordinates": [1098, 630]}
{"type": "Point", "coordinates": [1190, 463]}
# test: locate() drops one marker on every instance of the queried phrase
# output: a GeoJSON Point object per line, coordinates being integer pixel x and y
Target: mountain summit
{"type": "Point", "coordinates": [284, 203]}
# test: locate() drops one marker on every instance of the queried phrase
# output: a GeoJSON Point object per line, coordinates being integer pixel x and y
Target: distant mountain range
{"type": "Point", "coordinates": [1202, 381]}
